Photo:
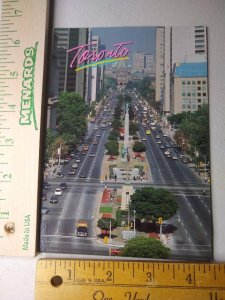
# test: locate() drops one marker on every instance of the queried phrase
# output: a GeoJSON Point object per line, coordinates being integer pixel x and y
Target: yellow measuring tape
{"type": "Point", "coordinates": [128, 280]}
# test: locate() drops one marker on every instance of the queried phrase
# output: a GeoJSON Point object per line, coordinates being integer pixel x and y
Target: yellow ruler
{"type": "Point", "coordinates": [23, 26]}
{"type": "Point", "coordinates": [128, 280]}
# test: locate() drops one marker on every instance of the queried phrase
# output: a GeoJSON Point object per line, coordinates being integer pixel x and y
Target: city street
{"type": "Point", "coordinates": [192, 237]}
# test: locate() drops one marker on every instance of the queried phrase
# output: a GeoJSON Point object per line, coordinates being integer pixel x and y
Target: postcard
{"type": "Point", "coordinates": [126, 166]}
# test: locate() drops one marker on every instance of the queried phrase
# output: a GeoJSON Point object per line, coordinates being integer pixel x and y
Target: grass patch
{"type": "Point", "coordinates": [105, 209]}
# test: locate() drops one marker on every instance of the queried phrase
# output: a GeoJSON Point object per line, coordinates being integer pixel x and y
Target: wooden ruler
{"type": "Point", "coordinates": [128, 280]}
{"type": "Point", "coordinates": [22, 43]}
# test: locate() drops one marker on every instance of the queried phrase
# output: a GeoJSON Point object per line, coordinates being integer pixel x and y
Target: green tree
{"type": "Point", "coordinates": [144, 247]}
{"type": "Point", "coordinates": [71, 116]}
{"type": "Point", "coordinates": [152, 203]}
{"type": "Point", "coordinates": [139, 147]}
{"type": "Point", "coordinates": [112, 147]}
{"type": "Point", "coordinates": [114, 135]}
{"type": "Point", "coordinates": [104, 224]}
{"type": "Point", "coordinates": [133, 128]}
{"type": "Point", "coordinates": [58, 143]}
{"type": "Point", "coordinates": [116, 124]}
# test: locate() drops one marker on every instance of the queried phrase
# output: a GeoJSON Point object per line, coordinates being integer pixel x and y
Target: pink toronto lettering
{"type": "Point", "coordinates": [84, 53]}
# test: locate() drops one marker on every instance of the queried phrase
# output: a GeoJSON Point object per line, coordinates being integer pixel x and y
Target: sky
{"type": "Point", "coordinates": [143, 37]}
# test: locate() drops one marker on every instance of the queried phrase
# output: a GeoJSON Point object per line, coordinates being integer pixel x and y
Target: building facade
{"type": "Point", "coordinates": [190, 87]}
{"type": "Point", "coordinates": [176, 45]}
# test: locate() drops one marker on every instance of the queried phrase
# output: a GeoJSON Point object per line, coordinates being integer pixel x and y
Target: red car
{"type": "Point", "coordinates": [116, 252]}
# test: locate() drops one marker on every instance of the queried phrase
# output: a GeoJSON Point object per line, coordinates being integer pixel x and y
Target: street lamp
{"type": "Point", "coordinates": [128, 207]}
{"type": "Point", "coordinates": [134, 224]}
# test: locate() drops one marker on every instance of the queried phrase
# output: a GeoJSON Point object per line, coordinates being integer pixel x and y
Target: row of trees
{"type": "Point", "coordinates": [71, 125]}
{"type": "Point", "coordinates": [193, 132]}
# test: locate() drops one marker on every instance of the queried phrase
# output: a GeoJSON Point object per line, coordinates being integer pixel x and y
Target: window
{"type": "Point", "coordinates": [203, 82]}
{"type": "Point", "coordinates": [183, 106]}
{"type": "Point", "coordinates": [199, 94]}
{"type": "Point", "coordinates": [199, 88]}
{"type": "Point", "coordinates": [188, 82]}
{"type": "Point", "coordinates": [183, 82]}
{"type": "Point", "coordinates": [199, 100]}
{"type": "Point", "coordinates": [199, 82]}
{"type": "Point", "coordinates": [188, 94]}
{"type": "Point", "coordinates": [183, 94]}
{"type": "Point", "coordinates": [204, 94]}
{"type": "Point", "coordinates": [193, 82]}
{"type": "Point", "coordinates": [194, 107]}
{"type": "Point", "coordinates": [193, 94]}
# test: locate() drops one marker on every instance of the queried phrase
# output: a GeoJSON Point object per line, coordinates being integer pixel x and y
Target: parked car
{"type": "Point", "coordinates": [44, 197]}
{"type": "Point", "coordinates": [60, 174]}
{"type": "Point", "coordinates": [44, 210]}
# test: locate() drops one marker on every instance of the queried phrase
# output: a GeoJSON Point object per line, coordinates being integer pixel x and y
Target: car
{"type": "Point", "coordinates": [162, 147]}
{"type": "Point", "coordinates": [83, 175]}
{"type": "Point", "coordinates": [159, 142]}
{"type": "Point", "coordinates": [67, 159]}
{"type": "Point", "coordinates": [54, 199]}
{"type": "Point", "coordinates": [46, 186]}
{"type": "Point", "coordinates": [44, 210]}
{"type": "Point", "coordinates": [95, 142]}
{"type": "Point", "coordinates": [44, 197]}
{"type": "Point", "coordinates": [116, 252]}
{"type": "Point", "coordinates": [167, 152]}
{"type": "Point", "coordinates": [71, 172]}
{"type": "Point", "coordinates": [96, 127]}
{"type": "Point", "coordinates": [174, 157]}
{"type": "Point", "coordinates": [143, 139]}
{"type": "Point", "coordinates": [60, 174]}
{"type": "Point", "coordinates": [83, 153]}
{"type": "Point", "coordinates": [157, 136]}
{"type": "Point", "coordinates": [58, 192]}
{"type": "Point", "coordinates": [98, 134]}
{"type": "Point", "coordinates": [92, 154]}
{"type": "Point", "coordinates": [77, 160]}
{"type": "Point", "coordinates": [184, 160]}
{"type": "Point", "coordinates": [63, 186]}
{"type": "Point", "coordinates": [168, 155]}
{"type": "Point", "coordinates": [72, 154]}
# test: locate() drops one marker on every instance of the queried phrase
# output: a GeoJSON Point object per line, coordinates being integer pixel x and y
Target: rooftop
{"type": "Point", "coordinates": [186, 70]}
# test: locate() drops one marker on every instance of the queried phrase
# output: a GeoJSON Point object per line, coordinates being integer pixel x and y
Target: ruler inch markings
{"type": "Point", "coordinates": [206, 286]}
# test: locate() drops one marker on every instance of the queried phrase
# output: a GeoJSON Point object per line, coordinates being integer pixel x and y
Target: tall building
{"type": "Point", "coordinates": [95, 71]}
{"type": "Point", "coordinates": [63, 77]}
{"type": "Point", "coordinates": [176, 45]}
{"type": "Point", "coordinates": [190, 87]}
{"type": "Point", "coordinates": [143, 63]}
{"type": "Point", "coordinates": [160, 63]}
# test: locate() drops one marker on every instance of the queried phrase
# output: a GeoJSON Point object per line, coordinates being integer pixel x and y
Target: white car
{"type": "Point", "coordinates": [58, 192]}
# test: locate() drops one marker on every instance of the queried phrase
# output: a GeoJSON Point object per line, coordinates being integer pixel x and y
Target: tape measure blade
{"type": "Point", "coordinates": [22, 35]}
